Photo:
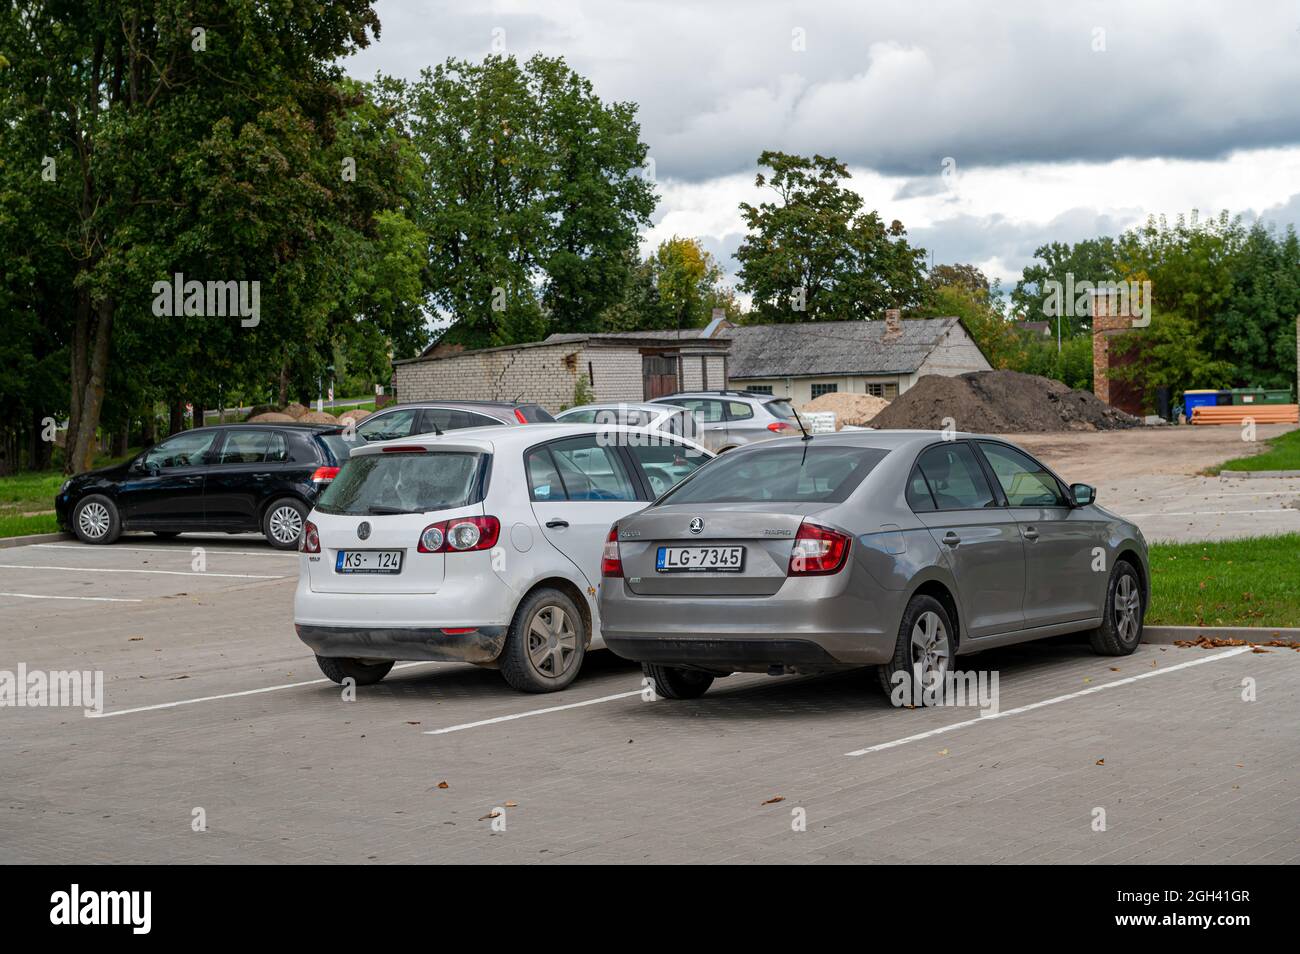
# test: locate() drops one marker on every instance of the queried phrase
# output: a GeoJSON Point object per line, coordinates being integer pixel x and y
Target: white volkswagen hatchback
{"type": "Point", "coordinates": [482, 545]}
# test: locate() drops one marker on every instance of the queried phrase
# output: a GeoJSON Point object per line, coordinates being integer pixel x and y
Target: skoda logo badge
{"type": "Point", "coordinates": [696, 525]}
{"type": "Point", "coordinates": [363, 530]}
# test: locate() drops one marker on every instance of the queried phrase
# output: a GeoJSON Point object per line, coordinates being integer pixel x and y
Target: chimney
{"type": "Point", "coordinates": [893, 323]}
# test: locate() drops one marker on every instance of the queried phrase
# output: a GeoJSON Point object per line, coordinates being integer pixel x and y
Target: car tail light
{"type": "Point", "coordinates": [776, 427]}
{"type": "Point", "coordinates": [310, 542]}
{"type": "Point", "coordinates": [405, 449]}
{"type": "Point", "coordinates": [324, 475]}
{"type": "Point", "coordinates": [818, 551]}
{"type": "Point", "coordinates": [611, 562]}
{"type": "Point", "coordinates": [460, 535]}
{"type": "Point", "coordinates": [519, 416]}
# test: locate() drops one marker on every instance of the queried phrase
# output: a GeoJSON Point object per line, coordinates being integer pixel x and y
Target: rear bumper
{"type": "Point", "coordinates": [731, 654]}
{"type": "Point", "coordinates": [482, 645]}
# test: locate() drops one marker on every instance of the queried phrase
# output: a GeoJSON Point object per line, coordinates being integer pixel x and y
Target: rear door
{"type": "Point", "coordinates": [580, 487]}
{"type": "Point", "coordinates": [710, 421]}
{"type": "Point", "coordinates": [980, 538]}
{"type": "Point", "coordinates": [1061, 585]}
{"type": "Point", "coordinates": [244, 473]}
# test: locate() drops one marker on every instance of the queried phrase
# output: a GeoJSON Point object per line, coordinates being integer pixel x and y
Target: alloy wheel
{"type": "Point", "coordinates": [286, 524]}
{"type": "Point", "coordinates": [93, 520]}
{"type": "Point", "coordinates": [552, 641]}
{"type": "Point", "coordinates": [1128, 604]}
{"type": "Point", "coordinates": [929, 650]}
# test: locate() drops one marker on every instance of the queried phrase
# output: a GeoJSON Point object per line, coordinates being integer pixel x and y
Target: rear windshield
{"type": "Point", "coordinates": [780, 408]}
{"type": "Point", "coordinates": [797, 473]}
{"type": "Point", "coordinates": [405, 483]}
{"type": "Point", "coordinates": [535, 413]}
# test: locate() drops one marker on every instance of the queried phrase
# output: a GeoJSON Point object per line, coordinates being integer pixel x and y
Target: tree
{"type": "Point", "coordinates": [979, 311]}
{"type": "Point", "coordinates": [676, 287]}
{"type": "Point", "coordinates": [1092, 260]}
{"type": "Point", "coordinates": [531, 200]}
{"type": "Point", "coordinates": [1170, 353]}
{"type": "Point", "coordinates": [815, 255]}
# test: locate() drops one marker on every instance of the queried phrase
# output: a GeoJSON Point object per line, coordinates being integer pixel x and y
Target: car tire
{"type": "Point", "coordinates": [673, 683]}
{"type": "Point", "coordinates": [279, 521]}
{"type": "Point", "coordinates": [546, 644]}
{"type": "Point", "coordinates": [1121, 628]}
{"type": "Point", "coordinates": [167, 534]}
{"type": "Point", "coordinates": [95, 520]}
{"type": "Point", "coordinates": [924, 648]}
{"type": "Point", "coordinates": [339, 668]}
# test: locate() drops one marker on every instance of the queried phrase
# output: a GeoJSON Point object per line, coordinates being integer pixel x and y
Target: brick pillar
{"type": "Point", "coordinates": [1104, 327]}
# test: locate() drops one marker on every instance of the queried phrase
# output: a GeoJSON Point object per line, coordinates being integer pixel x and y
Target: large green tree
{"type": "Point", "coordinates": [676, 286]}
{"type": "Point", "coordinates": [814, 254]}
{"type": "Point", "coordinates": [532, 197]}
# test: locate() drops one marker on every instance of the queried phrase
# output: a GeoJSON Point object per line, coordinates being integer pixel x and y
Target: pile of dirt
{"type": "Point", "coordinates": [1000, 402]}
{"type": "Point", "coordinates": [855, 409]}
{"type": "Point", "coordinates": [270, 417]}
{"type": "Point", "coordinates": [294, 410]}
{"type": "Point", "coordinates": [318, 417]}
{"type": "Point", "coordinates": [356, 414]}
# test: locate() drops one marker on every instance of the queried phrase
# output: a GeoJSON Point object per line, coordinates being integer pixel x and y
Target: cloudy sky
{"type": "Point", "coordinates": [1053, 121]}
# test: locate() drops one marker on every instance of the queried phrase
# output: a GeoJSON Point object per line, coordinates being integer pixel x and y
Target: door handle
{"type": "Point", "coordinates": [951, 538]}
{"type": "Point", "coordinates": [1031, 534]}
{"type": "Point", "coordinates": [555, 523]}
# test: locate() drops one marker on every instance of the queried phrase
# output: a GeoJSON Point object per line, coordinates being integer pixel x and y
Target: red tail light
{"type": "Point", "coordinates": [324, 475]}
{"type": "Point", "coordinates": [310, 542]}
{"type": "Point", "coordinates": [519, 416]}
{"type": "Point", "coordinates": [611, 562]}
{"type": "Point", "coordinates": [405, 449]}
{"type": "Point", "coordinates": [818, 551]}
{"type": "Point", "coordinates": [776, 427]}
{"type": "Point", "coordinates": [460, 535]}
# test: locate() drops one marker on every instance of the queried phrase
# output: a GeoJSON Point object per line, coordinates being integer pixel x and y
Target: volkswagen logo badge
{"type": "Point", "coordinates": [363, 530]}
{"type": "Point", "coordinates": [696, 525]}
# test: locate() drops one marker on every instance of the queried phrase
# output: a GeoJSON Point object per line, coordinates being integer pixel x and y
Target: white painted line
{"type": "Point", "coordinates": [114, 548]}
{"type": "Point", "coordinates": [93, 599]}
{"type": "Point", "coordinates": [1184, 494]}
{"type": "Point", "coordinates": [1046, 702]}
{"type": "Point", "coordinates": [533, 712]}
{"type": "Point", "coordinates": [227, 695]}
{"type": "Point", "coordinates": [96, 569]}
{"type": "Point", "coordinates": [1209, 513]}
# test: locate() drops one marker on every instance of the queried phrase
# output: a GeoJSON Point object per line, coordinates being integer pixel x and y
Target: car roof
{"type": "Point", "coordinates": [752, 395]}
{"type": "Point", "coordinates": [630, 405]}
{"type": "Point", "coordinates": [503, 438]}
{"type": "Point", "coordinates": [282, 425]}
{"type": "Point", "coordinates": [498, 405]}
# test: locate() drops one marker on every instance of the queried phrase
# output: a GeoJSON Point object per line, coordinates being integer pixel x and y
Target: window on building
{"type": "Point", "coordinates": [760, 388]}
{"type": "Point", "coordinates": [819, 389]}
{"type": "Point", "coordinates": [876, 390]}
{"type": "Point", "coordinates": [891, 391]}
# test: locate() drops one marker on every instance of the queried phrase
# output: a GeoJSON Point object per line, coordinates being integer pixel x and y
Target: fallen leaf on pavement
{"type": "Point", "coordinates": [774, 799]}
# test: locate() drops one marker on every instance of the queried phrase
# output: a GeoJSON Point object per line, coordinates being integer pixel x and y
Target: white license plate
{"type": "Point", "coordinates": [700, 559]}
{"type": "Point", "coordinates": [368, 561]}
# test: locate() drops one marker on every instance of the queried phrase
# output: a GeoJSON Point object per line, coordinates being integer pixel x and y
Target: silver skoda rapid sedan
{"type": "Point", "coordinates": [898, 549]}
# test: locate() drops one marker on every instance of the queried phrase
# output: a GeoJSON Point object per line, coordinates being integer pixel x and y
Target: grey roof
{"type": "Point", "coordinates": [825, 348]}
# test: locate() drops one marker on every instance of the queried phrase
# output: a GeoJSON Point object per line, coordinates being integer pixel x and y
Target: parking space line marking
{"type": "Point", "coordinates": [97, 569]}
{"type": "Point", "coordinates": [178, 549]}
{"type": "Point", "coordinates": [533, 712]}
{"type": "Point", "coordinates": [226, 695]}
{"type": "Point", "coordinates": [1046, 702]}
{"type": "Point", "coordinates": [95, 599]}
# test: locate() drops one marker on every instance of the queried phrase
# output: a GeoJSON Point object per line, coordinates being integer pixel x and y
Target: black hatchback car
{"type": "Point", "coordinates": [234, 478]}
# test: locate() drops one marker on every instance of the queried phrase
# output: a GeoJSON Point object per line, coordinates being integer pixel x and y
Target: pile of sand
{"type": "Point", "coordinates": [270, 417]}
{"type": "Point", "coordinates": [356, 414]}
{"type": "Point", "coordinates": [858, 410]}
{"type": "Point", "coordinates": [294, 410]}
{"type": "Point", "coordinates": [1000, 402]}
{"type": "Point", "coordinates": [318, 417]}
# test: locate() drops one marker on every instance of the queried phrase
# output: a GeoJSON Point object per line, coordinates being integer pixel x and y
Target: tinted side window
{"type": "Point", "coordinates": [954, 477]}
{"type": "Point", "coordinates": [543, 479]}
{"type": "Point", "coordinates": [739, 410]}
{"type": "Point", "coordinates": [1025, 482]}
{"type": "Point", "coordinates": [591, 471]}
{"type": "Point", "coordinates": [245, 447]}
{"type": "Point", "coordinates": [183, 450]}
{"type": "Point", "coordinates": [385, 427]}
{"type": "Point", "coordinates": [666, 464]}
{"type": "Point", "coordinates": [452, 419]}
{"type": "Point", "coordinates": [918, 492]}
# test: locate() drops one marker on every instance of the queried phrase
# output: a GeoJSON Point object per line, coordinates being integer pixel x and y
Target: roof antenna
{"type": "Point", "coordinates": [806, 435]}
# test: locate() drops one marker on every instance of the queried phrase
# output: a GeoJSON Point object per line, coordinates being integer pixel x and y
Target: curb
{"type": "Point", "coordinates": [1232, 474]}
{"type": "Point", "coordinates": [1167, 634]}
{"type": "Point", "coordinates": [7, 542]}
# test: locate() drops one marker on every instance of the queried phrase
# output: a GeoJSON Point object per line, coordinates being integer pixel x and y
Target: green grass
{"type": "Point", "coordinates": [1250, 582]}
{"type": "Point", "coordinates": [27, 499]}
{"type": "Point", "coordinates": [1283, 454]}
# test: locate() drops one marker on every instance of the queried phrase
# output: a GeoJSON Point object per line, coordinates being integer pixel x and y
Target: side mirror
{"type": "Point", "coordinates": [1083, 494]}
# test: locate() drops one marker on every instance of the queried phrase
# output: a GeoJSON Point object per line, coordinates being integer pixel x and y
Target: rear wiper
{"type": "Point", "coordinates": [388, 511]}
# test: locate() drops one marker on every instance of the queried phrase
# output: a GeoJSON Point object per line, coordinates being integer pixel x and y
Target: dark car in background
{"type": "Point", "coordinates": [235, 478]}
{"type": "Point", "coordinates": [437, 417]}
